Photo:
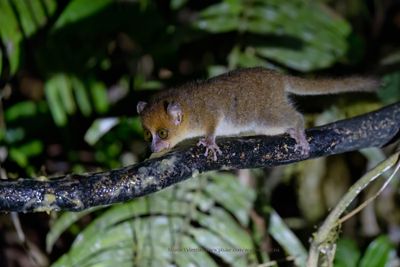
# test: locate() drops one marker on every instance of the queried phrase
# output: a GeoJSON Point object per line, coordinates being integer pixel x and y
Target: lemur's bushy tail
{"type": "Point", "coordinates": [300, 86]}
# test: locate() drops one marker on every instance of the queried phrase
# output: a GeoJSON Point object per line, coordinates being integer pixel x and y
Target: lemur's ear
{"type": "Point", "coordinates": [140, 106]}
{"type": "Point", "coordinates": [175, 111]}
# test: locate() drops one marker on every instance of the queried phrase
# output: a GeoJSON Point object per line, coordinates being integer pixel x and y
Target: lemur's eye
{"type": "Point", "coordinates": [147, 135]}
{"type": "Point", "coordinates": [162, 133]}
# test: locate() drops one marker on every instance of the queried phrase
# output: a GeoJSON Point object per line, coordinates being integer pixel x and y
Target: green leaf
{"type": "Point", "coordinates": [55, 102]}
{"type": "Point", "coordinates": [223, 191]}
{"type": "Point", "coordinates": [221, 222]}
{"type": "Point", "coordinates": [82, 97]}
{"type": "Point", "coordinates": [13, 135]}
{"type": "Point", "coordinates": [287, 239]}
{"type": "Point", "coordinates": [215, 70]}
{"type": "Point", "coordinates": [20, 19]}
{"type": "Point", "coordinates": [223, 237]}
{"type": "Point", "coordinates": [31, 148]}
{"type": "Point", "coordinates": [247, 58]}
{"type": "Point", "coordinates": [64, 89]}
{"type": "Point", "coordinates": [62, 224]}
{"type": "Point", "coordinates": [142, 83]}
{"type": "Point", "coordinates": [390, 93]}
{"type": "Point", "coordinates": [217, 24]}
{"type": "Point", "coordinates": [152, 85]}
{"type": "Point", "coordinates": [79, 10]}
{"type": "Point", "coordinates": [177, 4]}
{"type": "Point", "coordinates": [20, 109]}
{"type": "Point", "coordinates": [347, 253]}
{"type": "Point", "coordinates": [305, 59]}
{"type": "Point", "coordinates": [225, 8]}
{"type": "Point", "coordinates": [99, 128]}
{"type": "Point", "coordinates": [11, 35]}
{"type": "Point", "coordinates": [22, 153]}
{"type": "Point", "coordinates": [110, 240]}
{"type": "Point", "coordinates": [64, 94]}
{"type": "Point", "coordinates": [378, 252]}
{"type": "Point", "coordinates": [187, 258]}
{"type": "Point", "coordinates": [31, 15]}
{"type": "Point", "coordinates": [218, 246]}
{"type": "Point", "coordinates": [20, 158]}
{"type": "Point", "coordinates": [99, 95]}
{"type": "Point", "coordinates": [221, 17]}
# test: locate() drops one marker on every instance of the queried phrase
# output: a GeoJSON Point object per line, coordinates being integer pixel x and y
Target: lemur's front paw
{"type": "Point", "coordinates": [211, 146]}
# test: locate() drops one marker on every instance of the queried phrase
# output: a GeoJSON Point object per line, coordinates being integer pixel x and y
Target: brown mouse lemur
{"type": "Point", "coordinates": [249, 101]}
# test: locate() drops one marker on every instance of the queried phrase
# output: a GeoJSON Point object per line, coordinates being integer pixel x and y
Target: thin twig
{"type": "Point", "coordinates": [372, 198]}
{"type": "Point", "coordinates": [325, 235]}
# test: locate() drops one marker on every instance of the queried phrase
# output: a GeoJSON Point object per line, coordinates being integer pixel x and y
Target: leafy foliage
{"type": "Point", "coordinates": [20, 20]}
{"type": "Point", "coordinates": [377, 253]}
{"type": "Point", "coordinates": [72, 71]}
{"type": "Point", "coordinates": [296, 34]}
{"type": "Point", "coordinates": [192, 223]}
{"type": "Point", "coordinates": [285, 237]}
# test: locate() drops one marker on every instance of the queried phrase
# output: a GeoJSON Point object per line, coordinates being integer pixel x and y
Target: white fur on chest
{"type": "Point", "coordinates": [228, 128]}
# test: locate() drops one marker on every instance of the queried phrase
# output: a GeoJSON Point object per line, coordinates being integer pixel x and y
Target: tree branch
{"type": "Point", "coordinates": [81, 191]}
